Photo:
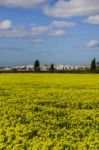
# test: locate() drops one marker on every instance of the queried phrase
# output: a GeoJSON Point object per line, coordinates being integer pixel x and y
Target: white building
{"type": "Point", "coordinates": [44, 68]}
{"type": "Point", "coordinates": [59, 67]}
{"type": "Point", "coordinates": [66, 67]}
{"type": "Point", "coordinates": [84, 67]}
{"type": "Point", "coordinates": [29, 67]}
{"type": "Point", "coordinates": [7, 69]}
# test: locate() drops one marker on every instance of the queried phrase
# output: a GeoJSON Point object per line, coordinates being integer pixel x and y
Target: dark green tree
{"type": "Point", "coordinates": [98, 66]}
{"type": "Point", "coordinates": [52, 69]}
{"type": "Point", "coordinates": [93, 64]}
{"type": "Point", "coordinates": [14, 70]}
{"type": "Point", "coordinates": [36, 66]}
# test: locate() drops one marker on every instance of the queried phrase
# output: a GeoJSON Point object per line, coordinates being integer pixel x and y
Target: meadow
{"type": "Point", "coordinates": [49, 111]}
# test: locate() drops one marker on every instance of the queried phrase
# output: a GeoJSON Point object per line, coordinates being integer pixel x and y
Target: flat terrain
{"type": "Point", "coordinates": [49, 112]}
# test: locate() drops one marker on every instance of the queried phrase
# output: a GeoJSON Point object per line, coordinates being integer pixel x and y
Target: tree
{"type": "Point", "coordinates": [97, 64]}
{"type": "Point", "coordinates": [52, 69]}
{"type": "Point", "coordinates": [36, 66]}
{"type": "Point", "coordinates": [93, 64]}
{"type": "Point", "coordinates": [14, 70]}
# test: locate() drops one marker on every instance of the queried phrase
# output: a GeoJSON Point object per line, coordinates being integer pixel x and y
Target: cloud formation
{"type": "Point", "coordinates": [21, 3]}
{"type": "Point", "coordinates": [57, 33]}
{"type": "Point", "coordinates": [36, 31]}
{"type": "Point", "coordinates": [92, 20]}
{"type": "Point", "coordinates": [5, 25]}
{"type": "Point", "coordinates": [62, 24]}
{"type": "Point", "coordinates": [72, 8]}
{"type": "Point", "coordinates": [92, 43]}
{"type": "Point", "coordinates": [39, 30]}
{"type": "Point", "coordinates": [58, 8]}
{"type": "Point", "coordinates": [8, 30]}
{"type": "Point", "coordinates": [15, 32]}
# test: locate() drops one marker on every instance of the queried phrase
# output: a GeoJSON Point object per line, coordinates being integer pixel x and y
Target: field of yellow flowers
{"type": "Point", "coordinates": [49, 111]}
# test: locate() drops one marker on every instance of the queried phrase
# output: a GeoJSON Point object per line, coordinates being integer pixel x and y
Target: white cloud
{"type": "Point", "coordinates": [39, 30]}
{"type": "Point", "coordinates": [38, 41]}
{"type": "Point", "coordinates": [92, 20]}
{"type": "Point", "coordinates": [92, 43]}
{"type": "Point", "coordinates": [60, 8]}
{"type": "Point", "coordinates": [72, 8]}
{"type": "Point", "coordinates": [62, 24]}
{"type": "Point", "coordinates": [8, 30]}
{"type": "Point", "coordinates": [14, 33]}
{"type": "Point", "coordinates": [5, 25]}
{"type": "Point", "coordinates": [57, 33]}
{"type": "Point", "coordinates": [21, 3]}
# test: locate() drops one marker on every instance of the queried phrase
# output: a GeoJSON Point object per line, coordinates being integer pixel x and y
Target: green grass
{"type": "Point", "coordinates": [49, 112]}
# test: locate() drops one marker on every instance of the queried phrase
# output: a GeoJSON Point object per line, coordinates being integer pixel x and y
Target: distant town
{"type": "Point", "coordinates": [53, 67]}
{"type": "Point", "coordinates": [45, 67]}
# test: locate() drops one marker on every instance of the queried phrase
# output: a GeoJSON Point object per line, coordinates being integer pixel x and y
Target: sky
{"type": "Point", "coordinates": [52, 31]}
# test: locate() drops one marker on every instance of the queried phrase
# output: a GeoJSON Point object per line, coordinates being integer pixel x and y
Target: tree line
{"type": "Point", "coordinates": [37, 67]}
{"type": "Point", "coordinates": [94, 67]}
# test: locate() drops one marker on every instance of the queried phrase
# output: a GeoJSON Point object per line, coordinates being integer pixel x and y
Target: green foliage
{"type": "Point", "coordinates": [37, 66]}
{"type": "Point", "coordinates": [93, 65]}
{"type": "Point", "coordinates": [52, 69]}
{"type": "Point", "coordinates": [49, 112]}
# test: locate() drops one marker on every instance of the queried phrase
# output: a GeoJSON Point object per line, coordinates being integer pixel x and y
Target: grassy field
{"type": "Point", "coordinates": [49, 112]}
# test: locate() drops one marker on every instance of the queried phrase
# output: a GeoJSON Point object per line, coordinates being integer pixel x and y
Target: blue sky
{"type": "Point", "coordinates": [53, 31]}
